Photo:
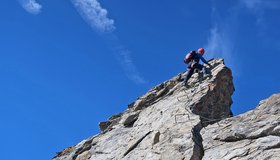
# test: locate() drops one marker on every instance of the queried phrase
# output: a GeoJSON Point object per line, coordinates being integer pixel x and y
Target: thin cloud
{"type": "Point", "coordinates": [221, 40]}
{"type": "Point", "coordinates": [219, 44]}
{"type": "Point", "coordinates": [128, 65]}
{"type": "Point", "coordinates": [258, 5]}
{"type": "Point", "coordinates": [123, 55]}
{"type": "Point", "coordinates": [222, 35]}
{"type": "Point", "coordinates": [252, 4]}
{"type": "Point", "coordinates": [31, 6]}
{"type": "Point", "coordinates": [259, 8]}
{"type": "Point", "coordinates": [95, 15]}
{"type": "Point", "coordinates": [215, 44]}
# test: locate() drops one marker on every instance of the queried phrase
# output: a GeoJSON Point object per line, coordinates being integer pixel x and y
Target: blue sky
{"type": "Point", "coordinates": [67, 65]}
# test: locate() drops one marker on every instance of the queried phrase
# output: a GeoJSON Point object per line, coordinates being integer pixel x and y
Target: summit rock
{"type": "Point", "coordinates": [172, 121]}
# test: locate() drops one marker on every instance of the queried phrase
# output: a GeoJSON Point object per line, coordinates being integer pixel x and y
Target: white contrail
{"type": "Point", "coordinates": [123, 55]}
{"type": "Point", "coordinates": [95, 15]}
{"type": "Point", "coordinates": [31, 6]}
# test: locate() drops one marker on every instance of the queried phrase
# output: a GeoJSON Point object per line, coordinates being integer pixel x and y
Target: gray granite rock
{"type": "Point", "coordinates": [252, 135]}
{"type": "Point", "coordinates": [166, 123]}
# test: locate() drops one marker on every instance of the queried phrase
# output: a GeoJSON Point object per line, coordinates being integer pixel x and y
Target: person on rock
{"type": "Point", "coordinates": [192, 60]}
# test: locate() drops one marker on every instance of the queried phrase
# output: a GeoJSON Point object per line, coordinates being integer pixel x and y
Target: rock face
{"type": "Point", "coordinates": [175, 122]}
{"type": "Point", "coordinates": [165, 123]}
{"type": "Point", "coordinates": [252, 135]}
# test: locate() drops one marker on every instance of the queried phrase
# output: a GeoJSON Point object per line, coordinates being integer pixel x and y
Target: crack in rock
{"type": "Point", "coordinates": [136, 144]}
{"type": "Point", "coordinates": [198, 150]}
{"type": "Point", "coordinates": [239, 137]}
{"type": "Point", "coordinates": [273, 147]}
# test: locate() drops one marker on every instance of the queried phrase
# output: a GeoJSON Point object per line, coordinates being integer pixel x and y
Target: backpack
{"type": "Point", "coordinates": [189, 57]}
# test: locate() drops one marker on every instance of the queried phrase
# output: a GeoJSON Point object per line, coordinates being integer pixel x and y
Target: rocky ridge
{"type": "Point", "coordinates": [253, 135]}
{"type": "Point", "coordinates": [175, 122]}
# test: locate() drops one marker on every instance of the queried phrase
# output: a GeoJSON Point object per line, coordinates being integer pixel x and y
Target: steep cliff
{"type": "Point", "coordinates": [174, 122]}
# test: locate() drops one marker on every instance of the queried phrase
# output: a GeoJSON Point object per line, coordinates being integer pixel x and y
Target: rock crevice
{"type": "Point", "coordinates": [198, 150]}
{"type": "Point", "coordinates": [136, 144]}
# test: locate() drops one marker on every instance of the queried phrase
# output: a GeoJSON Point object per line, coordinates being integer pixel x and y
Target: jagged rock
{"type": "Point", "coordinates": [83, 150]}
{"type": "Point", "coordinates": [114, 117]}
{"type": "Point", "coordinates": [104, 125]}
{"type": "Point", "coordinates": [65, 152]}
{"type": "Point", "coordinates": [108, 125]}
{"type": "Point", "coordinates": [131, 105]}
{"type": "Point", "coordinates": [252, 135]}
{"type": "Point", "coordinates": [167, 121]}
{"type": "Point", "coordinates": [129, 121]}
{"type": "Point", "coordinates": [156, 137]}
{"type": "Point", "coordinates": [156, 93]}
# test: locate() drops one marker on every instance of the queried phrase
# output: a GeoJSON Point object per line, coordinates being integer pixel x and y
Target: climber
{"type": "Point", "coordinates": [192, 59]}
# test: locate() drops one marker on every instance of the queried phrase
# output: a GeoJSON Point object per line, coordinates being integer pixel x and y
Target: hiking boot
{"type": "Point", "coordinates": [205, 76]}
{"type": "Point", "coordinates": [185, 84]}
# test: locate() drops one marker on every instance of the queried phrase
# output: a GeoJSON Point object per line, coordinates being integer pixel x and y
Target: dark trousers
{"type": "Point", "coordinates": [191, 69]}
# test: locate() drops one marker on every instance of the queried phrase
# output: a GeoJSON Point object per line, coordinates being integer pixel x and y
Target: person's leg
{"type": "Point", "coordinates": [204, 70]}
{"type": "Point", "coordinates": [188, 75]}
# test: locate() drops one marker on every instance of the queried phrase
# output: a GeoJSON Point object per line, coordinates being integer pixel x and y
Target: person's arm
{"type": "Point", "coordinates": [203, 60]}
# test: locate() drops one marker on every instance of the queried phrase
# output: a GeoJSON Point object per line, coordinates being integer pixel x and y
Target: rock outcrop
{"type": "Point", "coordinates": [252, 135]}
{"type": "Point", "coordinates": [174, 122]}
